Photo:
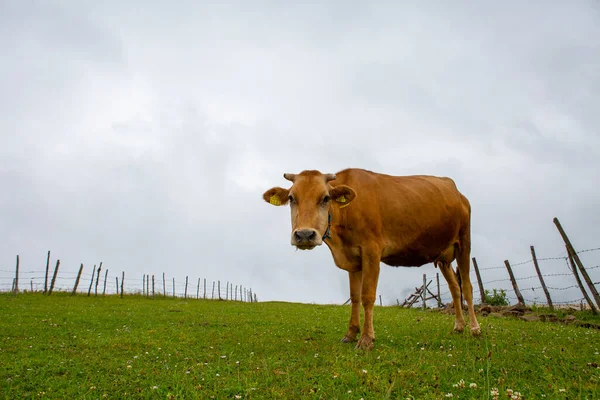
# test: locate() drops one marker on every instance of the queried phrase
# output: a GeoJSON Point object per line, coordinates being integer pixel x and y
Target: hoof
{"type": "Point", "coordinates": [457, 331]}
{"type": "Point", "coordinates": [365, 343]}
{"type": "Point", "coordinates": [476, 331]}
{"type": "Point", "coordinates": [347, 339]}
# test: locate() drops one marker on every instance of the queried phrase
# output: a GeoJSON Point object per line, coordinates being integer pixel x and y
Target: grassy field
{"type": "Point", "coordinates": [107, 347]}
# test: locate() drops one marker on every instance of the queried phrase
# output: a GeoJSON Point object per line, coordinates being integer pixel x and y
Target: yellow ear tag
{"type": "Point", "coordinates": [343, 199]}
{"type": "Point", "coordinates": [275, 200]}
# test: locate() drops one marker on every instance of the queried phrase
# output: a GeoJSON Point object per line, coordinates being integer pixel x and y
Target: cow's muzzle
{"type": "Point", "coordinates": [306, 239]}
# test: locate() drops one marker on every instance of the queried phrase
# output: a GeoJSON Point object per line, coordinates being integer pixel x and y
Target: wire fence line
{"type": "Point", "coordinates": [100, 283]}
{"type": "Point", "coordinates": [563, 284]}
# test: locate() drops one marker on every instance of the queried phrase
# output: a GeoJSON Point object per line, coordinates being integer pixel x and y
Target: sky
{"type": "Point", "coordinates": [143, 134]}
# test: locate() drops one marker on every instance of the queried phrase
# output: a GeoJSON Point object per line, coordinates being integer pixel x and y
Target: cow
{"type": "Point", "coordinates": [366, 218]}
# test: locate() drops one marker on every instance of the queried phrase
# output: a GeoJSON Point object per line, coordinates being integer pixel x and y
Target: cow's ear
{"type": "Point", "coordinates": [343, 195]}
{"type": "Point", "coordinates": [277, 196]}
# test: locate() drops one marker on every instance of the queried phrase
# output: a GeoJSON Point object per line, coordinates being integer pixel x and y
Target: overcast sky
{"type": "Point", "coordinates": [143, 134]}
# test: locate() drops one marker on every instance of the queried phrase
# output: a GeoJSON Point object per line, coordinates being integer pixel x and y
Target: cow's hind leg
{"type": "Point", "coordinates": [355, 289]}
{"type": "Point", "coordinates": [464, 264]}
{"type": "Point", "coordinates": [451, 278]}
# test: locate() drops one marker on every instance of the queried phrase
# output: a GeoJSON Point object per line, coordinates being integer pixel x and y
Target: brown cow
{"type": "Point", "coordinates": [366, 218]}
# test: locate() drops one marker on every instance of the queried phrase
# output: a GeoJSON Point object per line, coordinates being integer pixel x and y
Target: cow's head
{"type": "Point", "coordinates": [311, 200]}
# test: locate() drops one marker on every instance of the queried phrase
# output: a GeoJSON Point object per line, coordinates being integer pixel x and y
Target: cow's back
{"type": "Point", "coordinates": [412, 218]}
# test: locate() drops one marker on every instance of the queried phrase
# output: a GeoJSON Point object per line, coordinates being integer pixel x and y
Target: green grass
{"type": "Point", "coordinates": [108, 347]}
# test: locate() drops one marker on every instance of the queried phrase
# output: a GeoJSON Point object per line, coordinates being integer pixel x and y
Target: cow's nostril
{"type": "Point", "coordinates": [305, 235]}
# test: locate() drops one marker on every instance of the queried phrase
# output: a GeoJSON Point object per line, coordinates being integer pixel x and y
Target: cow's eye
{"type": "Point", "coordinates": [291, 199]}
{"type": "Point", "coordinates": [326, 199]}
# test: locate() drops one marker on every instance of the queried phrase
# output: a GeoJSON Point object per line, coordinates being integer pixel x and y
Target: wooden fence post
{"type": "Point", "coordinates": [173, 287]}
{"type": "Point", "coordinates": [77, 280]}
{"type": "Point", "coordinates": [148, 285]}
{"type": "Point", "coordinates": [16, 287]}
{"type": "Point", "coordinates": [47, 269]}
{"type": "Point", "coordinates": [219, 289]}
{"type": "Point", "coordinates": [198, 290]}
{"type": "Point", "coordinates": [92, 281]}
{"type": "Point", "coordinates": [143, 284]}
{"type": "Point", "coordinates": [424, 291]}
{"type": "Point", "coordinates": [573, 253]}
{"type": "Point", "coordinates": [205, 288]}
{"type": "Point", "coordinates": [122, 284]}
{"type": "Point", "coordinates": [105, 278]}
{"type": "Point", "coordinates": [213, 291]}
{"type": "Point", "coordinates": [97, 279]}
{"type": "Point", "coordinates": [539, 273]}
{"type": "Point", "coordinates": [164, 286]}
{"type": "Point", "coordinates": [479, 282]}
{"type": "Point", "coordinates": [514, 282]}
{"type": "Point", "coordinates": [186, 286]}
{"type": "Point", "coordinates": [117, 279]}
{"type": "Point", "coordinates": [31, 283]}
{"type": "Point", "coordinates": [235, 293]}
{"type": "Point", "coordinates": [439, 296]}
{"type": "Point", "coordinates": [574, 268]}
{"type": "Point", "coordinates": [54, 278]}
{"type": "Point", "coordinates": [152, 287]}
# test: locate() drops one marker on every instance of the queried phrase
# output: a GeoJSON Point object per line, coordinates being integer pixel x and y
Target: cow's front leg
{"type": "Point", "coordinates": [355, 292]}
{"type": "Point", "coordinates": [370, 277]}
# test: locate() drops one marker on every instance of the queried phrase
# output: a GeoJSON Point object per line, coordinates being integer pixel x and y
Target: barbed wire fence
{"type": "Point", "coordinates": [99, 282]}
{"type": "Point", "coordinates": [529, 285]}
{"type": "Point", "coordinates": [526, 283]}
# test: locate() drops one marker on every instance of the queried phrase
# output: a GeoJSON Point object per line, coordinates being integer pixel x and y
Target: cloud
{"type": "Point", "coordinates": [144, 136]}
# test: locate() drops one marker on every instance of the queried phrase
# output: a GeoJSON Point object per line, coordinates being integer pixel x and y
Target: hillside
{"type": "Point", "coordinates": [108, 347]}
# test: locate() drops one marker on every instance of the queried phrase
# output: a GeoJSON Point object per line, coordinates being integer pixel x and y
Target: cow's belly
{"type": "Point", "coordinates": [406, 260]}
{"type": "Point", "coordinates": [420, 252]}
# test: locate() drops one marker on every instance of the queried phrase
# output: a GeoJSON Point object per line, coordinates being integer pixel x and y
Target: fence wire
{"type": "Point", "coordinates": [551, 285]}
{"type": "Point", "coordinates": [88, 283]}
